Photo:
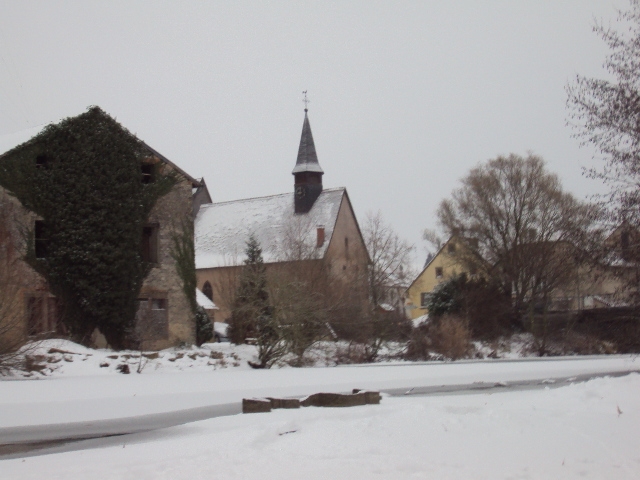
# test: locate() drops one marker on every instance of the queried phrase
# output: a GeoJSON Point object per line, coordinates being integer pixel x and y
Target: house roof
{"type": "Point", "coordinates": [307, 160]}
{"type": "Point", "coordinates": [429, 262]}
{"type": "Point", "coordinates": [222, 229]}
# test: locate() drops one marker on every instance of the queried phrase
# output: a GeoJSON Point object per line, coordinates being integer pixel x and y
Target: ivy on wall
{"type": "Point", "coordinates": [84, 178]}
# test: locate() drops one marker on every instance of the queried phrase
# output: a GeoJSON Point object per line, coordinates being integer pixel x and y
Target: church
{"type": "Point", "coordinates": [298, 230]}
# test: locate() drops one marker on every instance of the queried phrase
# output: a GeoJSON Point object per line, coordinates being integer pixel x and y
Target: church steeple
{"type": "Point", "coordinates": [307, 172]}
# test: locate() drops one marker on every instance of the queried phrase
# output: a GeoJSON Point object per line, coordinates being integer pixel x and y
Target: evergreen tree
{"type": "Point", "coordinates": [252, 299]}
{"type": "Point", "coordinates": [84, 178]}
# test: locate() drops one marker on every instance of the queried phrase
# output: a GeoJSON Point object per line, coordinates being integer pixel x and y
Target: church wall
{"type": "Point", "coordinates": [347, 254]}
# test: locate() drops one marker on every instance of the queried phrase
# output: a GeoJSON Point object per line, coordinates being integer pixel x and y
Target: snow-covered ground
{"type": "Point", "coordinates": [584, 430]}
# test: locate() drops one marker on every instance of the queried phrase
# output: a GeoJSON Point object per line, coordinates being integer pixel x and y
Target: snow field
{"type": "Point", "coordinates": [586, 430]}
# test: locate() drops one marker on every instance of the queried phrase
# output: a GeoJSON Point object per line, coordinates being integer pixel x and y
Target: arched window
{"type": "Point", "coordinates": [207, 290]}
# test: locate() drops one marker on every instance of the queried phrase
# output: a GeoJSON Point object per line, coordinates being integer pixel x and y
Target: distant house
{"type": "Point", "coordinates": [295, 230]}
{"type": "Point", "coordinates": [445, 264]}
{"type": "Point", "coordinates": [577, 285]}
{"type": "Point", "coordinates": [161, 299]}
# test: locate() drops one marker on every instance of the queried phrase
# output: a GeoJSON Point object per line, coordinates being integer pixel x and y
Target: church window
{"type": "Point", "coordinates": [207, 290]}
{"type": "Point", "coordinates": [149, 247]}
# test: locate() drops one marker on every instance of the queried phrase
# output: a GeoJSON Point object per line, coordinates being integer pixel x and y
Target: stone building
{"type": "Point", "coordinates": [164, 314]}
{"type": "Point", "coordinates": [297, 231]}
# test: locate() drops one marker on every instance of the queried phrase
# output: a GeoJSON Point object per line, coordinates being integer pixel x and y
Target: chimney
{"type": "Point", "coordinates": [320, 232]}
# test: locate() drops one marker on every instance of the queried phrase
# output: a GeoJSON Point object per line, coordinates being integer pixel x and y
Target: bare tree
{"type": "Point", "coordinates": [606, 115]}
{"type": "Point", "coordinates": [515, 220]}
{"type": "Point", "coordinates": [390, 258]}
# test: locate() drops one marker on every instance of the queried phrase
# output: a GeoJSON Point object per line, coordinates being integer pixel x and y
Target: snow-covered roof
{"type": "Point", "coordinates": [222, 229]}
{"type": "Point", "coordinates": [204, 302]}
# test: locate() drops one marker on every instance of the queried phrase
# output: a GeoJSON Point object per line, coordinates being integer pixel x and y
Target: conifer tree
{"type": "Point", "coordinates": [252, 299]}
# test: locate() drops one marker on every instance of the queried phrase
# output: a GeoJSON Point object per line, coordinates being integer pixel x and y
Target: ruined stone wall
{"type": "Point", "coordinates": [163, 282]}
{"type": "Point", "coordinates": [18, 281]}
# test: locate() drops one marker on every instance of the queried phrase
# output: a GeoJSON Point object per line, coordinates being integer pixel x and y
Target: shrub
{"type": "Point", "coordinates": [204, 327]}
{"type": "Point", "coordinates": [484, 306]}
{"type": "Point", "coordinates": [447, 336]}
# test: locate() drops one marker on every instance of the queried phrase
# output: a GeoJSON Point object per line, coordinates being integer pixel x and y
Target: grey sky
{"type": "Point", "coordinates": [405, 96]}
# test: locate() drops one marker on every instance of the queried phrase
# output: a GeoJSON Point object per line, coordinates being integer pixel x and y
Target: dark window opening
{"type": "Point", "coordinates": [451, 248]}
{"type": "Point", "coordinates": [43, 161]}
{"type": "Point", "coordinates": [40, 239]}
{"type": "Point", "coordinates": [346, 247]}
{"type": "Point", "coordinates": [149, 247]}
{"type": "Point", "coordinates": [147, 172]}
{"type": "Point", "coordinates": [207, 290]}
{"type": "Point", "coordinates": [439, 272]}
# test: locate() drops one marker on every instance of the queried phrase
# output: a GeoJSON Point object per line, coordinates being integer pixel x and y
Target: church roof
{"type": "Point", "coordinates": [222, 229]}
{"type": "Point", "coordinates": [307, 158]}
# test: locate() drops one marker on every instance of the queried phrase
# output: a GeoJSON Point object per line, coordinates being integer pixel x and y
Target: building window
{"type": "Point", "coordinates": [152, 319]}
{"type": "Point", "coordinates": [207, 290]}
{"type": "Point", "coordinates": [346, 247]}
{"type": "Point", "coordinates": [147, 172]}
{"type": "Point", "coordinates": [40, 239]}
{"type": "Point", "coordinates": [149, 247]}
{"type": "Point", "coordinates": [439, 272]}
{"type": "Point", "coordinates": [424, 299]}
{"type": "Point", "coordinates": [43, 315]}
{"type": "Point", "coordinates": [42, 161]}
{"type": "Point", "coordinates": [451, 248]}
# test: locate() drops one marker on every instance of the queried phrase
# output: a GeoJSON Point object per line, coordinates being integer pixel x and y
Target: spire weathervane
{"type": "Point", "coordinates": [306, 101]}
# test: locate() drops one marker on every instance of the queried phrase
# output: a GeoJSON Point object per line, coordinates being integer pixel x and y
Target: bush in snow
{"type": "Point", "coordinates": [446, 336]}
{"type": "Point", "coordinates": [204, 327]}
{"type": "Point", "coordinates": [482, 305]}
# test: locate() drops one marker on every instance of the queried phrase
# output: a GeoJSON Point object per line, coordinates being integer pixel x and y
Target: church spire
{"type": "Point", "coordinates": [307, 158]}
{"type": "Point", "coordinates": [307, 172]}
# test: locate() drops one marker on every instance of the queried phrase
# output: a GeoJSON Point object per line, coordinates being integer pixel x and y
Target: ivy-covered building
{"type": "Point", "coordinates": [96, 237]}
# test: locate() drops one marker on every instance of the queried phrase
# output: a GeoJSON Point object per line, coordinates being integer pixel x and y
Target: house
{"type": "Point", "coordinates": [445, 264]}
{"type": "Point", "coordinates": [164, 315]}
{"type": "Point", "coordinates": [300, 230]}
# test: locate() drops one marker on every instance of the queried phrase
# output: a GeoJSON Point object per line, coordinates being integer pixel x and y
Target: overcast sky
{"type": "Point", "coordinates": [406, 96]}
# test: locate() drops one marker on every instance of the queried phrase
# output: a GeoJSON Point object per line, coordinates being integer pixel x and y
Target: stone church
{"type": "Point", "coordinates": [309, 226]}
